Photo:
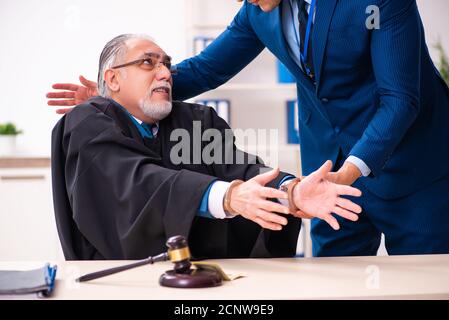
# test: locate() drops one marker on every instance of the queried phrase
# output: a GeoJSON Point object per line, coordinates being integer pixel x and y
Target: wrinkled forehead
{"type": "Point", "coordinates": [139, 47]}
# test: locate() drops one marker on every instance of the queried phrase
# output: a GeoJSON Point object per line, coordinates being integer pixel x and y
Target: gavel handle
{"type": "Point", "coordinates": [107, 272]}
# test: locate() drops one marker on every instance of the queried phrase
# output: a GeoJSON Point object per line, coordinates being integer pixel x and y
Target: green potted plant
{"type": "Point", "coordinates": [443, 64]}
{"type": "Point", "coordinates": [8, 134]}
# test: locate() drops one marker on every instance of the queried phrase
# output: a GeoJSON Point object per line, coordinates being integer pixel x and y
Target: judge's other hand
{"type": "Point", "coordinates": [250, 201]}
{"type": "Point", "coordinates": [75, 94]}
{"type": "Point", "coordinates": [318, 197]}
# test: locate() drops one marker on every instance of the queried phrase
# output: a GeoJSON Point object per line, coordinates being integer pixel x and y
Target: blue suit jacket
{"type": "Point", "coordinates": [377, 95]}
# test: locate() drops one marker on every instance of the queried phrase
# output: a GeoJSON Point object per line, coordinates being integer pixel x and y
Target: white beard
{"type": "Point", "coordinates": [155, 110]}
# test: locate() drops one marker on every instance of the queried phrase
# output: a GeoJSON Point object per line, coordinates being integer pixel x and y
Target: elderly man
{"type": "Point", "coordinates": [119, 194]}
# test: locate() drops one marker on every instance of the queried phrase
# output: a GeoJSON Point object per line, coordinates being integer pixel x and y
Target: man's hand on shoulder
{"type": "Point", "coordinates": [73, 95]}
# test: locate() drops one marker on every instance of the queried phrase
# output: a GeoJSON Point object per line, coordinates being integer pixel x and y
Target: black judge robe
{"type": "Point", "coordinates": [117, 195]}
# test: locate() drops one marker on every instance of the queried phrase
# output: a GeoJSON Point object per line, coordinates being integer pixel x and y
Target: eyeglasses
{"type": "Point", "coordinates": [150, 61]}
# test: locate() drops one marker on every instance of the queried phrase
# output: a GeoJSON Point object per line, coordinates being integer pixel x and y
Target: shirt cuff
{"type": "Point", "coordinates": [203, 210]}
{"type": "Point", "coordinates": [285, 181]}
{"type": "Point", "coordinates": [359, 163]}
{"type": "Point", "coordinates": [216, 196]}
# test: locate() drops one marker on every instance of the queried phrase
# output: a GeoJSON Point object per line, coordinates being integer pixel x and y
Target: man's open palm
{"type": "Point", "coordinates": [318, 197]}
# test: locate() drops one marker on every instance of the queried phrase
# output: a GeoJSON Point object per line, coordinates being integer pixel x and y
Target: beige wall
{"type": "Point", "coordinates": [55, 40]}
{"type": "Point", "coordinates": [48, 41]}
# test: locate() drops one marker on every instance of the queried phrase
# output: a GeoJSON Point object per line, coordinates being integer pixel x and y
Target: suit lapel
{"type": "Point", "coordinates": [282, 46]}
{"type": "Point", "coordinates": [324, 12]}
{"type": "Point", "coordinates": [284, 55]}
{"type": "Point", "coordinates": [271, 33]}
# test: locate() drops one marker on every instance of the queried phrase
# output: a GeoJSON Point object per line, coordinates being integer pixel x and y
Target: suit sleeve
{"type": "Point", "coordinates": [235, 48]}
{"type": "Point", "coordinates": [395, 51]}
{"type": "Point", "coordinates": [124, 203]}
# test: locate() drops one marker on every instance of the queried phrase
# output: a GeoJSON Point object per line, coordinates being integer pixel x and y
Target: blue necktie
{"type": "Point", "coordinates": [303, 18]}
{"type": "Point", "coordinates": [148, 128]}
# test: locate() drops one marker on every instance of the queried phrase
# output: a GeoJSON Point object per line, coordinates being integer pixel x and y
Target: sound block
{"type": "Point", "coordinates": [194, 279]}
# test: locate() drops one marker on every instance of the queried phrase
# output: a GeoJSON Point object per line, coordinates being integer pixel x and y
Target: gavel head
{"type": "Point", "coordinates": [179, 254]}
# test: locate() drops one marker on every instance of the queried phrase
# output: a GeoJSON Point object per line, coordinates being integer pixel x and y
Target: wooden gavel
{"type": "Point", "coordinates": [182, 275]}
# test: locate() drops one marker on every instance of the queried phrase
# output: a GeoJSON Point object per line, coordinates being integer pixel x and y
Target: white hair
{"type": "Point", "coordinates": [113, 52]}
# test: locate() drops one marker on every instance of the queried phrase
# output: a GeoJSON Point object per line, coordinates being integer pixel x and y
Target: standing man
{"type": "Point", "coordinates": [370, 99]}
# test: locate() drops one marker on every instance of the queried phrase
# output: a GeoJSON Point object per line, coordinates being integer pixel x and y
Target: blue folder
{"type": "Point", "coordinates": [40, 281]}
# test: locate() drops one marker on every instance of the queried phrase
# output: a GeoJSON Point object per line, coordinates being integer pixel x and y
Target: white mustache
{"type": "Point", "coordinates": [161, 85]}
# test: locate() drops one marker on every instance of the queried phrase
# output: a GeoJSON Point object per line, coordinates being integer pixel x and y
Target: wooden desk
{"type": "Point", "coordinates": [398, 277]}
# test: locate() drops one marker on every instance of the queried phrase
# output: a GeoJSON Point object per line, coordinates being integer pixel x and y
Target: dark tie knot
{"type": "Point", "coordinates": [148, 127]}
{"type": "Point", "coordinates": [302, 7]}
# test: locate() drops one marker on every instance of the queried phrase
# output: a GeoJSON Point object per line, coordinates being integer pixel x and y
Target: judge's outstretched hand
{"type": "Point", "coordinates": [317, 197]}
{"type": "Point", "coordinates": [250, 200]}
{"type": "Point", "coordinates": [75, 94]}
